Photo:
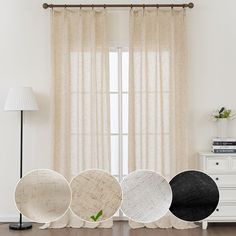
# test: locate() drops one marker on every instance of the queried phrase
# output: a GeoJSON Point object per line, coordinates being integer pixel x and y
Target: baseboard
{"type": "Point", "coordinates": [16, 219]}
{"type": "Point", "coordinates": [11, 219]}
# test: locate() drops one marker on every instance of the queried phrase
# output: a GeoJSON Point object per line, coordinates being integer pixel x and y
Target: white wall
{"type": "Point", "coordinates": [212, 67]}
{"type": "Point", "coordinates": [25, 61]}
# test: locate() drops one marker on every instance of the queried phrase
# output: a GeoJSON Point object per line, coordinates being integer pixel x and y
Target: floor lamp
{"type": "Point", "coordinates": [21, 99]}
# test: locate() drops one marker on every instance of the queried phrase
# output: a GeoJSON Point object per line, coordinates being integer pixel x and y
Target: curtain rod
{"type": "Point", "coordinates": [186, 5]}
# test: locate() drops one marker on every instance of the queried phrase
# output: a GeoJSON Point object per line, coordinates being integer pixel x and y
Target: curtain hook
{"type": "Point", "coordinates": [131, 6]}
{"type": "Point", "coordinates": [104, 6]}
{"type": "Point", "coordinates": [157, 6]}
{"type": "Point", "coordinates": [65, 6]}
{"type": "Point", "coordinates": [80, 6]}
{"type": "Point", "coordinates": [143, 6]}
{"type": "Point", "coordinates": [92, 6]}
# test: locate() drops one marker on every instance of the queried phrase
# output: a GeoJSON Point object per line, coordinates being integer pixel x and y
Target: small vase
{"type": "Point", "coordinates": [222, 128]}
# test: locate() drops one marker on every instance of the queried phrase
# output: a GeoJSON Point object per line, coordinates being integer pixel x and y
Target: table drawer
{"type": "Point", "coordinates": [213, 163]}
{"type": "Point", "coordinates": [233, 163]}
{"type": "Point", "coordinates": [224, 180]}
{"type": "Point", "coordinates": [227, 194]}
{"type": "Point", "coordinates": [224, 211]}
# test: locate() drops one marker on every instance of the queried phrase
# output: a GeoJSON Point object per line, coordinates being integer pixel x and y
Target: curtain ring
{"type": "Point", "coordinates": [131, 6]}
{"type": "Point", "coordinates": [157, 6]}
{"type": "Point", "coordinates": [65, 6]}
{"type": "Point", "coordinates": [104, 6]}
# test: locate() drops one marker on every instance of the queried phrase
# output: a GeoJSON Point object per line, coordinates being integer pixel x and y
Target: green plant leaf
{"type": "Point", "coordinates": [221, 110]}
{"type": "Point", "coordinates": [223, 113]}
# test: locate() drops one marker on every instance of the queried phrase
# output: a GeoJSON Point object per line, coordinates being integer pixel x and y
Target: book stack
{"type": "Point", "coordinates": [224, 145]}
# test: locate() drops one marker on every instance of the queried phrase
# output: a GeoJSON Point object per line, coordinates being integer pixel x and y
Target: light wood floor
{"type": "Point", "coordinates": [122, 229]}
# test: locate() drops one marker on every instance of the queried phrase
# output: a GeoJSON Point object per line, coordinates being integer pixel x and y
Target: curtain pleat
{"type": "Point", "coordinates": [80, 102]}
{"type": "Point", "coordinates": [158, 97]}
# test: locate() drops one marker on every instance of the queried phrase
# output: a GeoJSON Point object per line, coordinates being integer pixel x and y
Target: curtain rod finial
{"type": "Point", "coordinates": [45, 6]}
{"type": "Point", "coordinates": [190, 5]}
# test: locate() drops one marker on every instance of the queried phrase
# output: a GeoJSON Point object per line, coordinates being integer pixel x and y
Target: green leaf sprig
{"type": "Point", "coordinates": [223, 113]}
{"type": "Point", "coordinates": [95, 217]}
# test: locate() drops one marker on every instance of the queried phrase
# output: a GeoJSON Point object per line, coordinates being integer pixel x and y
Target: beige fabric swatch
{"type": "Point", "coordinates": [93, 191]}
{"type": "Point", "coordinates": [43, 195]}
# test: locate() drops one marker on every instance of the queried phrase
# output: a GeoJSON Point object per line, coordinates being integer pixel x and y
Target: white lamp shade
{"type": "Point", "coordinates": [21, 99]}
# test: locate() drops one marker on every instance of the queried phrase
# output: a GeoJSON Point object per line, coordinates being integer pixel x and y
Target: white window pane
{"type": "Point", "coordinates": [125, 154]}
{"type": "Point", "coordinates": [74, 71]}
{"type": "Point", "coordinates": [125, 71]}
{"type": "Point", "coordinates": [114, 113]}
{"type": "Point", "coordinates": [166, 112]}
{"type": "Point", "coordinates": [114, 154]}
{"type": "Point", "coordinates": [125, 112]}
{"type": "Point", "coordinates": [74, 116]}
{"type": "Point", "coordinates": [113, 71]}
{"type": "Point", "coordinates": [166, 71]}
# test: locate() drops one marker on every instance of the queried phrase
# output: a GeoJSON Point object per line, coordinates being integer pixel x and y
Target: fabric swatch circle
{"type": "Point", "coordinates": [146, 196]}
{"type": "Point", "coordinates": [195, 195]}
{"type": "Point", "coordinates": [42, 195]}
{"type": "Point", "coordinates": [96, 195]}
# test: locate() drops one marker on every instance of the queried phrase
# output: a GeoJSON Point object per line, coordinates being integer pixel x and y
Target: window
{"type": "Point", "coordinates": [119, 74]}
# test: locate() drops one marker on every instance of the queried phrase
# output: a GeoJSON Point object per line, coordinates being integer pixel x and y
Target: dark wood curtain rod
{"type": "Point", "coordinates": [187, 5]}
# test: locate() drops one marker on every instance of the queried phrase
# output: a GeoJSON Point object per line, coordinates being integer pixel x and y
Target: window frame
{"type": "Point", "coordinates": [120, 133]}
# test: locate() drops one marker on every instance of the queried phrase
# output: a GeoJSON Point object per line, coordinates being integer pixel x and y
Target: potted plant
{"type": "Point", "coordinates": [222, 116]}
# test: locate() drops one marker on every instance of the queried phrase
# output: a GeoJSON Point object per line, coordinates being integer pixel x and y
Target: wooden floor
{"type": "Point", "coordinates": [122, 229]}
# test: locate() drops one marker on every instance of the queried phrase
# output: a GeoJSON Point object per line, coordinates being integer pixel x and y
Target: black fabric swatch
{"type": "Point", "coordinates": [195, 195]}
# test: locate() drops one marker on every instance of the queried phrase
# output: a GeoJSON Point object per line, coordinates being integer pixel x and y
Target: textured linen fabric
{"type": "Point", "coordinates": [93, 191]}
{"type": "Point", "coordinates": [195, 195]}
{"type": "Point", "coordinates": [147, 196]}
{"type": "Point", "coordinates": [43, 195]}
{"type": "Point", "coordinates": [80, 97]}
{"type": "Point", "coordinates": [158, 97]}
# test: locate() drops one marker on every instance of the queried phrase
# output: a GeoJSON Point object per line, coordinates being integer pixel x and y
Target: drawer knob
{"type": "Point", "coordinates": [217, 209]}
{"type": "Point", "coordinates": [217, 178]}
{"type": "Point", "coordinates": [217, 163]}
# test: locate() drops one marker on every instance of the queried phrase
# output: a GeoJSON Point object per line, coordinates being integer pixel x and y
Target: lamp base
{"type": "Point", "coordinates": [22, 226]}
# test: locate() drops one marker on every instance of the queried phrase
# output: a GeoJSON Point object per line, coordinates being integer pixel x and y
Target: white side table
{"type": "Point", "coordinates": [222, 169]}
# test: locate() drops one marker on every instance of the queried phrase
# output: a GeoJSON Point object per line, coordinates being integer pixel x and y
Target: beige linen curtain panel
{"type": "Point", "coordinates": [80, 101]}
{"type": "Point", "coordinates": [158, 97]}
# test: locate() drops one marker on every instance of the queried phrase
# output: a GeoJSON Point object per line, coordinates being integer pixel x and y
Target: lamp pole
{"type": "Point", "coordinates": [21, 225]}
{"type": "Point", "coordinates": [21, 152]}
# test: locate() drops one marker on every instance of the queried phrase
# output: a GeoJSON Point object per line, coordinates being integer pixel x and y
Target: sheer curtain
{"type": "Point", "coordinates": [158, 97]}
{"type": "Point", "coordinates": [80, 101]}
